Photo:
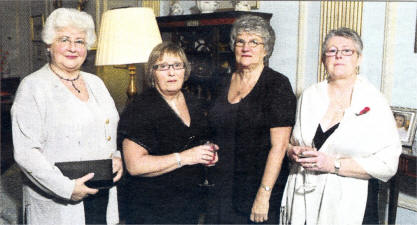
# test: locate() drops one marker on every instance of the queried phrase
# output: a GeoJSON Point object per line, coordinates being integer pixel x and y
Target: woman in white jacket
{"type": "Point", "coordinates": [344, 135]}
{"type": "Point", "coordinates": [63, 114]}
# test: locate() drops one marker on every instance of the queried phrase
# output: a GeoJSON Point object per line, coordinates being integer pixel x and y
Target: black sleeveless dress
{"type": "Point", "coordinates": [242, 131]}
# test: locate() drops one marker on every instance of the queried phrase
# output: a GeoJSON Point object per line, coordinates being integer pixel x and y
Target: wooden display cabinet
{"type": "Point", "coordinates": [205, 40]}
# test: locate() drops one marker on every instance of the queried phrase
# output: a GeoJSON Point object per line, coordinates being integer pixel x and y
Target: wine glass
{"type": "Point", "coordinates": [307, 186]}
{"type": "Point", "coordinates": [206, 182]}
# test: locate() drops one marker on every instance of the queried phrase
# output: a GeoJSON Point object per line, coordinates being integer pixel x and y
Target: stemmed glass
{"type": "Point", "coordinates": [206, 182]}
{"type": "Point", "coordinates": [307, 186]}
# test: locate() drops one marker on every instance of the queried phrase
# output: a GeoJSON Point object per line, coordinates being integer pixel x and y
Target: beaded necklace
{"type": "Point", "coordinates": [70, 80]}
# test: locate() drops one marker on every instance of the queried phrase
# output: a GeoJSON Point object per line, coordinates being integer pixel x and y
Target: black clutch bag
{"type": "Point", "coordinates": [102, 169]}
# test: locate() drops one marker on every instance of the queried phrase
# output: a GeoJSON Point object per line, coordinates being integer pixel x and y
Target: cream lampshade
{"type": "Point", "coordinates": [127, 36]}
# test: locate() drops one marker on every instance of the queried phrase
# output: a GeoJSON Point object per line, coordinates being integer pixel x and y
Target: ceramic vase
{"type": "Point", "coordinates": [207, 6]}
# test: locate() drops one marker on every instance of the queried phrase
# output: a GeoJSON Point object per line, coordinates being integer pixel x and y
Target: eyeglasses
{"type": "Point", "coordinates": [334, 51]}
{"type": "Point", "coordinates": [66, 41]}
{"type": "Point", "coordinates": [166, 66]}
{"type": "Point", "coordinates": [251, 43]}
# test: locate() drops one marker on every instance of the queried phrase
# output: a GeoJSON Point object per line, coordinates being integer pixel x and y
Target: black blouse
{"type": "Point", "coordinates": [242, 131]}
{"type": "Point", "coordinates": [320, 137]}
{"type": "Point", "coordinates": [151, 123]}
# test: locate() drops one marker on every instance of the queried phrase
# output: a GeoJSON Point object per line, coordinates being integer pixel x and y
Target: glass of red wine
{"type": "Point", "coordinates": [206, 182]}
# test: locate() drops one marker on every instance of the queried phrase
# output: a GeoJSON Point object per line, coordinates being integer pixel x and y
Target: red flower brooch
{"type": "Point", "coordinates": [363, 111]}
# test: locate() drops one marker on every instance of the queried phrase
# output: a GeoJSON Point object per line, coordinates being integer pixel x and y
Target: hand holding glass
{"type": "Point", "coordinates": [308, 185]}
{"type": "Point", "coordinates": [213, 148]}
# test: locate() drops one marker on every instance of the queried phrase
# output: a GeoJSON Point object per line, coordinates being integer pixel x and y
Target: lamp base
{"type": "Point", "coordinates": [131, 88]}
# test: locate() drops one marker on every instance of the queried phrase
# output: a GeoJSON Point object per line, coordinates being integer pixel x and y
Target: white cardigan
{"type": "Point", "coordinates": [49, 125]}
{"type": "Point", "coordinates": [371, 139]}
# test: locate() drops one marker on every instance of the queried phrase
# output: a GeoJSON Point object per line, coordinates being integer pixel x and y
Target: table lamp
{"type": "Point", "coordinates": [127, 36]}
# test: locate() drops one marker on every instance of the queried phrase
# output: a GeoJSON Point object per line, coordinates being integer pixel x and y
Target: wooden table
{"type": "Point", "coordinates": [407, 167]}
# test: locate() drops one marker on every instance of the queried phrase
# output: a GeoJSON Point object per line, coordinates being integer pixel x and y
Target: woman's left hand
{"type": "Point", "coordinates": [260, 207]}
{"type": "Point", "coordinates": [317, 161]}
{"type": "Point", "coordinates": [117, 168]}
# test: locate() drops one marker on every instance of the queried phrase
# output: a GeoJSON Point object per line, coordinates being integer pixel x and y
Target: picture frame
{"type": "Point", "coordinates": [406, 123]}
{"type": "Point", "coordinates": [229, 6]}
{"type": "Point", "coordinates": [36, 25]}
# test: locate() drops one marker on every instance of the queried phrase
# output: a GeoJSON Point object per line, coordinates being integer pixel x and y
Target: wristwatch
{"type": "Point", "coordinates": [337, 165]}
{"type": "Point", "coordinates": [266, 188]}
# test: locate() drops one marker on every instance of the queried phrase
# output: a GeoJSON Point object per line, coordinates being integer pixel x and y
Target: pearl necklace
{"type": "Point", "coordinates": [70, 80]}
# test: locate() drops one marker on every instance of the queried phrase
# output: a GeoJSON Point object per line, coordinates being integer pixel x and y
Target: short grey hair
{"type": "Point", "coordinates": [158, 52]}
{"type": "Point", "coordinates": [346, 33]}
{"type": "Point", "coordinates": [66, 17]}
{"type": "Point", "coordinates": [254, 25]}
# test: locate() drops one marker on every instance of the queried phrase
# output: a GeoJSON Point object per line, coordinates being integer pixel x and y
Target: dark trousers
{"type": "Point", "coordinates": [235, 217]}
{"type": "Point", "coordinates": [95, 207]}
{"type": "Point", "coordinates": [240, 218]}
{"type": "Point", "coordinates": [221, 210]}
{"type": "Point", "coordinates": [160, 213]}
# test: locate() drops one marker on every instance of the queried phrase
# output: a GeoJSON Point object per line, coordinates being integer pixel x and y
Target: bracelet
{"type": "Point", "coordinates": [178, 157]}
{"type": "Point", "coordinates": [266, 187]}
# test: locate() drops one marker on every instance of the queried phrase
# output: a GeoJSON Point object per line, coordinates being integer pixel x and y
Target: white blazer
{"type": "Point", "coordinates": [371, 139]}
{"type": "Point", "coordinates": [49, 125]}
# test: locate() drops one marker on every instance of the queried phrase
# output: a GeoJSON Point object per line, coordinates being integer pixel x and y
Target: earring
{"type": "Point", "coordinates": [326, 75]}
{"type": "Point", "coordinates": [48, 54]}
{"type": "Point", "coordinates": [357, 69]}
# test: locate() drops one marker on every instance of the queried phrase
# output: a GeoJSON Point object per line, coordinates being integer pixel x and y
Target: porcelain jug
{"type": "Point", "coordinates": [207, 6]}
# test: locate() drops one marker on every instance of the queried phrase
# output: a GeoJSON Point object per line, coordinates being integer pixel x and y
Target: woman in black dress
{"type": "Point", "coordinates": [251, 118]}
{"type": "Point", "coordinates": [157, 130]}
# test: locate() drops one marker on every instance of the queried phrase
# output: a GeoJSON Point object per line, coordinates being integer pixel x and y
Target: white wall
{"type": "Point", "coordinates": [373, 39]}
{"type": "Point", "coordinates": [285, 21]}
{"type": "Point", "coordinates": [284, 57]}
{"type": "Point", "coordinates": [405, 60]}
